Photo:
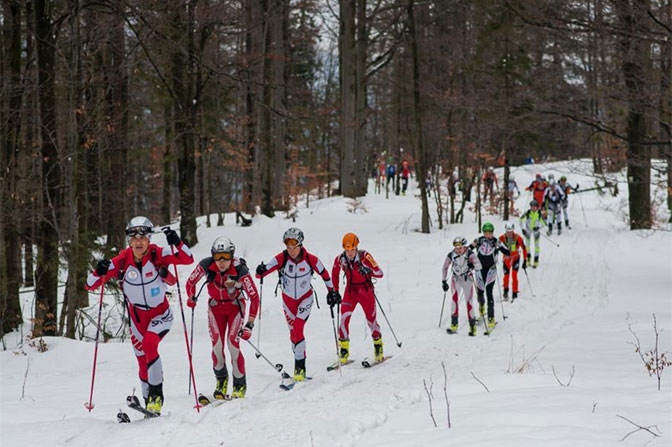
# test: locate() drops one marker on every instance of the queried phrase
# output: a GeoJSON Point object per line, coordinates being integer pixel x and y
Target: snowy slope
{"type": "Point", "coordinates": [599, 281]}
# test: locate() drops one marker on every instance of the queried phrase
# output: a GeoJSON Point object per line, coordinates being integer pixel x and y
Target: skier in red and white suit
{"type": "Point", "coordinates": [511, 263]}
{"type": "Point", "coordinates": [359, 267]}
{"type": "Point", "coordinates": [143, 271]}
{"type": "Point", "coordinates": [464, 263]}
{"type": "Point", "coordinates": [227, 277]}
{"type": "Point", "coordinates": [295, 267]}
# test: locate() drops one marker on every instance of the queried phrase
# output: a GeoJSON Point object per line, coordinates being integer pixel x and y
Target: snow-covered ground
{"type": "Point", "coordinates": [602, 280]}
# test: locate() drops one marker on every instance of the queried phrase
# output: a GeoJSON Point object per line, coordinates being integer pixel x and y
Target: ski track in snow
{"type": "Point", "coordinates": [600, 280]}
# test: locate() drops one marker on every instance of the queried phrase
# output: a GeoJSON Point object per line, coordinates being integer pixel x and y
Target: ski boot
{"type": "Point", "coordinates": [491, 322]}
{"type": "Point", "coordinates": [481, 309]}
{"type": "Point", "coordinates": [299, 370]}
{"type": "Point", "coordinates": [550, 230]}
{"type": "Point", "coordinates": [472, 327]}
{"type": "Point", "coordinates": [567, 225]}
{"type": "Point", "coordinates": [506, 294]}
{"type": "Point", "coordinates": [535, 264]}
{"type": "Point", "coordinates": [344, 351]}
{"type": "Point", "coordinates": [154, 405]}
{"type": "Point", "coordinates": [378, 349]}
{"type": "Point", "coordinates": [559, 228]}
{"type": "Point", "coordinates": [514, 297]}
{"type": "Point", "coordinates": [453, 325]}
{"type": "Point", "coordinates": [220, 388]}
{"type": "Point", "coordinates": [239, 388]}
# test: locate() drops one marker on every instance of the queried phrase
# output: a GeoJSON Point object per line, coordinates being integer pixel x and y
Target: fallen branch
{"type": "Point", "coordinates": [25, 376]}
{"type": "Point", "coordinates": [571, 376]}
{"type": "Point", "coordinates": [486, 388]}
{"type": "Point", "coordinates": [429, 398]}
{"type": "Point", "coordinates": [639, 427]}
{"type": "Point", "coordinates": [445, 391]}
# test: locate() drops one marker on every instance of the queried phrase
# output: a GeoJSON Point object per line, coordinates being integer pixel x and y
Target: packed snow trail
{"type": "Point", "coordinates": [599, 281]}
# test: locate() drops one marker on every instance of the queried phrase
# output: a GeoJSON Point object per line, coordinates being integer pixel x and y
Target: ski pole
{"type": "Point", "coordinates": [261, 296]}
{"type": "Point", "coordinates": [528, 282]}
{"type": "Point", "coordinates": [499, 287]}
{"type": "Point", "coordinates": [388, 321]}
{"type": "Point", "coordinates": [89, 404]}
{"type": "Point", "coordinates": [583, 211]}
{"type": "Point", "coordinates": [485, 323]}
{"type": "Point", "coordinates": [184, 325]}
{"type": "Point", "coordinates": [191, 342]}
{"type": "Point", "coordinates": [333, 325]}
{"type": "Point", "coordinates": [278, 366]}
{"type": "Point", "coordinates": [443, 304]}
{"type": "Point", "coordinates": [551, 240]}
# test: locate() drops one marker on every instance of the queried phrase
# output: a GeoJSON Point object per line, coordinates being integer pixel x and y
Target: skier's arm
{"type": "Point", "coordinates": [319, 268]}
{"type": "Point", "coordinates": [473, 260]}
{"type": "Point", "coordinates": [271, 265]}
{"type": "Point", "coordinates": [369, 262]}
{"type": "Point", "coordinates": [195, 276]}
{"type": "Point", "coordinates": [252, 293]}
{"type": "Point", "coordinates": [336, 272]}
{"type": "Point", "coordinates": [182, 255]}
{"type": "Point", "coordinates": [446, 266]}
{"type": "Point", "coordinates": [95, 280]}
{"type": "Point", "coordinates": [522, 244]}
{"type": "Point", "coordinates": [501, 246]}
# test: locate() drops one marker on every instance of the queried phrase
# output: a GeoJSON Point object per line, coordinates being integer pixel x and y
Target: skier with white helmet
{"type": "Point", "coordinates": [295, 267]}
{"type": "Point", "coordinates": [487, 246]}
{"type": "Point", "coordinates": [464, 263]}
{"type": "Point", "coordinates": [511, 263]}
{"type": "Point", "coordinates": [530, 223]}
{"type": "Point", "coordinates": [142, 270]}
{"type": "Point", "coordinates": [227, 278]}
{"type": "Point", "coordinates": [553, 198]}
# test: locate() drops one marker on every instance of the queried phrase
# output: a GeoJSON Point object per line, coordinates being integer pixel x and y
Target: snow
{"type": "Point", "coordinates": [602, 280]}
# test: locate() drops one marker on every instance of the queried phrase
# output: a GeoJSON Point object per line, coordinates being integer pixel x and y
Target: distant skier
{"type": "Point", "coordinates": [295, 267]}
{"type": "Point", "coordinates": [142, 270]}
{"type": "Point", "coordinates": [391, 171]}
{"type": "Point", "coordinates": [487, 247]}
{"type": "Point", "coordinates": [227, 278]}
{"type": "Point", "coordinates": [490, 182]}
{"type": "Point", "coordinates": [530, 223]}
{"type": "Point", "coordinates": [465, 264]}
{"type": "Point", "coordinates": [566, 188]}
{"type": "Point", "coordinates": [538, 187]}
{"type": "Point", "coordinates": [380, 177]}
{"type": "Point", "coordinates": [513, 192]}
{"type": "Point", "coordinates": [511, 263]}
{"type": "Point", "coordinates": [405, 174]}
{"type": "Point", "coordinates": [553, 197]}
{"type": "Point", "coordinates": [359, 267]}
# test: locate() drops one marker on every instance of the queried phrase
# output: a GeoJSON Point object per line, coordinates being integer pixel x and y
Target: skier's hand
{"type": "Point", "coordinates": [364, 270]}
{"type": "Point", "coordinates": [524, 264]}
{"type": "Point", "coordinates": [191, 302]}
{"type": "Point", "coordinates": [333, 298]}
{"type": "Point", "coordinates": [172, 237]}
{"type": "Point", "coordinates": [246, 332]}
{"type": "Point", "coordinates": [102, 267]}
{"type": "Point", "coordinates": [445, 286]}
{"type": "Point", "coordinates": [261, 269]}
{"type": "Point", "coordinates": [163, 272]}
{"type": "Point", "coordinates": [577, 187]}
{"type": "Point", "coordinates": [526, 234]}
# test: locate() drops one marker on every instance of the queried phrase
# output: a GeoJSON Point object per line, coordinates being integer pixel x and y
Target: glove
{"type": "Point", "coordinates": [577, 187]}
{"type": "Point", "coordinates": [246, 332]}
{"type": "Point", "coordinates": [445, 286]}
{"type": "Point", "coordinates": [524, 264]}
{"type": "Point", "coordinates": [163, 272]}
{"type": "Point", "coordinates": [102, 267]}
{"type": "Point", "coordinates": [172, 237]}
{"type": "Point", "coordinates": [333, 298]}
{"type": "Point", "coordinates": [526, 234]}
{"type": "Point", "coordinates": [261, 269]}
{"type": "Point", "coordinates": [191, 302]}
{"type": "Point", "coordinates": [364, 270]}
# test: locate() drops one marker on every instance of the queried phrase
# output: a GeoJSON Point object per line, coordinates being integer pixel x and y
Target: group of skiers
{"type": "Point", "coordinates": [475, 264]}
{"type": "Point", "coordinates": [143, 272]}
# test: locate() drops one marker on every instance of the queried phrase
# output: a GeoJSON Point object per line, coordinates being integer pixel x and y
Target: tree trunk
{"type": "Point", "coordinates": [348, 57]}
{"type": "Point", "coordinates": [361, 149]}
{"type": "Point", "coordinates": [46, 275]}
{"type": "Point", "coordinates": [168, 160]}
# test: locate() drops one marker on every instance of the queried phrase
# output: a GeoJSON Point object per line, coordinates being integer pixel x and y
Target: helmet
{"type": "Point", "coordinates": [551, 177]}
{"type": "Point", "coordinates": [222, 245]}
{"type": "Point", "coordinates": [488, 227]}
{"type": "Point", "coordinates": [293, 233]}
{"type": "Point", "coordinates": [509, 226]}
{"type": "Point", "coordinates": [490, 169]}
{"type": "Point", "coordinates": [534, 203]}
{"type": "Point", "coordinates": [539, 176]}
{"type": "Point", "coordinates": [350, 241]}
{"type": "Point", "coordinates": [460, 241]}
{"type": "Point", "coordinates": [139, 225]}
{"type": "Point", "coordinates": [563, 179]}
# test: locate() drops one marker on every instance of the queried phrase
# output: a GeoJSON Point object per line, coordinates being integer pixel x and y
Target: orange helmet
{"type": "Point", "coordinates": [350, 241]}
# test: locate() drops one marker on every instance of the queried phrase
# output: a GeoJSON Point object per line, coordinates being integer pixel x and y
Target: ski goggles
{"type": "Point", "coordinates": [292, 243]}
{"type": "Point", "coordinates": [138, 232]}
{"type": "Point", "coordinates": [224, 256]}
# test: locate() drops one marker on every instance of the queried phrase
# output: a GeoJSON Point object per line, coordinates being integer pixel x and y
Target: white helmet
{"type": "Point", "coordinates": [223, 245]}
{"type": "Point", "coordinates": [293, 233]}
{"type": "Point", "coordinates": [551, 177]}
{"type": "Point", "coordinates": [509, 226]}
{"type": "Point", "coordinates": [460, 241]}
{"type": "Point", "coordinates": [512, 178]}
{"type": "Point", "coordinates": [139, 225]}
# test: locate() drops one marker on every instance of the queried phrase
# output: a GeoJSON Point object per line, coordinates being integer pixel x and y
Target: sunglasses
{"type": "Point", "coordinates": [292, 243]}
{"type": "Point", "coordinates": [138, 232]}
{"type": "Point", "coordinates": [222, 256]}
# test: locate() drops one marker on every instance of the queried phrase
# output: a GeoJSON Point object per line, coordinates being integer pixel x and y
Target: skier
{"type": "Point", "coordinates": [465, 263]}
{"type": "Point", "coordinates": [227, 277]}
{"type": "Point", "coordinates": [358, 267]}
{"type": "Point", "coordinates": [142, 270]}
{"type": "Point", "coordinates": [391, 171]}
{"type": "Point", "coordinates": [380, 178]}
{"type": "Point", "coordinates": [538, 187]}
{"type": "Point", "coordinates": [295, 267]}
{"type": "Point", "coordinates": [490, 181]}
{"type": "Point", "coordinates": [511, 263]}
{"type": "Point", "coordinates": [405, 173]}
{"type": "Point", "coordinates": [530, 224]}
{"type": "Point", "coordinates": [512, 189]}
{"type": "Point", "coordinates": [487, 247]}
{"type": "Point", "coordinates": [566, 188]}
{"type": "Point", "coordinates": [553, 197]}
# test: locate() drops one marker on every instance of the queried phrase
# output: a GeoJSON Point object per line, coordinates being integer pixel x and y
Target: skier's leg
{"type": "Point", "coordinates": [161, 320]}
{"type": "Point", "coordinates": [235, 324]}
{"type": "Point", "coordinates": [347, 308]}
{"type": "Point", "coordinates": [297, 313]}
{"type": "Point", "coordinates": [514, 275]}
{"type": "Point", "coordinates": [506, 264]}
{"type": "Point", "coordinates": [480, 290]}
{"type": "Point", "coordinates": [490, 283]}
{"type": "Point", "coordinates": [537, 237]}
{"type": "Point", "coordinates": [217, 323]}
{"type": "Point", "coordinates": [367, 300]}
{"type": "Point", "coordinates": [454, 309]}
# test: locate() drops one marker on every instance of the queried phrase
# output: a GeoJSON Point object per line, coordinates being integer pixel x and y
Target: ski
{"type": "Point", "coordinates": [367, 364]}
{"type": "Point", "coordinates": [134, 403]}
{"type": "Point", "coordinates": [123, 418]}
{"type": "Point", "coordinates": [205, 400]}
{"type": "Point", "coordinates": [488, 330]}
{"type": "Point", "coordinates": [334, 366]}
{"type": "Point", "coordinates": [289, 383]}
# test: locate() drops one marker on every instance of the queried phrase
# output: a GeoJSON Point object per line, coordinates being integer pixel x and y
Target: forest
{"type": "Point", "coordinates": [176, 109]}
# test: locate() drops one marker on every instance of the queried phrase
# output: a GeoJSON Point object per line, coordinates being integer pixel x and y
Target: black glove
{"type": "Point", "coordinates": [445, 286]}
{"type": "Point", "coordinates": [246, 332]}
{"type": "Point", "coordinates": [524, 264]}
{"type": "Point", "coordinates": [102, 267]}
{"type": "Point", "coordinates": [333, 298]}
{"type": "Point", "coordinates": [364, 270]}
{"type": "Point", "coordinates": [261, 269]}
{"type": "Point", "coordinates": [526, 234]}
{"type": "Point", "coordinates": [577, 187]}
{"type": "Point", "coordinates": [172, 237]}
{"type": "Point", "coordinates": [163, 272]}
